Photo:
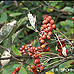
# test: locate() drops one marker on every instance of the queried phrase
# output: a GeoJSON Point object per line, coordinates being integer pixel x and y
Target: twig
{"type": "Point", "coordinates": [45, 70]}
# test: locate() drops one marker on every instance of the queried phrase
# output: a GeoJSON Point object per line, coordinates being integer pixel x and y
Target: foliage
{"type": "Point", "coordinates": [61, 11]}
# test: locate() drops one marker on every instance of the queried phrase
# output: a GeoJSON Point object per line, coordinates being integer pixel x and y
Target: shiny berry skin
{"type": "Point", "coordinates": [49, 17]}
{"type": "Point", "coordinates": [31, 50]}
{"type": "Point", "coordinates": [17, 69]}
{"type": "Point", "coordinates": [37, 61]}
{"type": "Point", "coordinates": [64, 45]}
{"type": "Point", "coordinates": [47, 49]}
{"type": "Point", "coordinates": [41, 68]}
{"type": "Point", "coordinates": [23, 46]}
{"type": "Point", "coordinates": [52, 22]}
{"type": "Point", "coordinates": [50, 33]}
{"type": "Point", "coordinates": [13, 73]}
{"type": "Point", "coordinates": [60, 54]}
{"type": "Point", "coordinates": [44, 37]}
{"type": "Point", "coordinates": [42, 41]}
{"type": "Point", "coordinates": [49, 25]}
{"type": "Point", "coordinates": [33, 67]}
{"type": "Point", "coordinates": [38, 65]}
{"type": "Point", "coordinates": [44, 17]}
{"type": "Point", "coordinates": [58, 50]}
{"type": "Point", "coordinates": [72, 18]}
{"type": "Point", "coordinates": [43, 46]}
{"type": "Point", "coordinates": [44, 26]}
{"type": "Point", "coordinates": [48, 36]}
{"type": "Point", "coordinates": [50, 28]}
{"type": "Point", "coordinates": [35, 70]}
{"type": "Point", "coordinates": [53, 26]}
{"type": "Point", "coordinates": [46, 30]}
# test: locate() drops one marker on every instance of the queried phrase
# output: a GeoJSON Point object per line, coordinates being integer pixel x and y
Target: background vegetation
{"type": "Point", "coordinates": [61, 11]}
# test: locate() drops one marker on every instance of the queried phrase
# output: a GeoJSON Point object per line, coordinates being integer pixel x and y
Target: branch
{"type": "Point", "coordinates": [45, 70]}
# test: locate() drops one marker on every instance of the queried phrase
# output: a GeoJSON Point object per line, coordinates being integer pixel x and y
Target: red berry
{"type": "Point", "coordinates": [35, 70]}
{"type": "Point", "coordinates": [23, 46]}
{"type": "Point", "coordinates": [47, 49]}
{"type": "Point", "coordinates": [60, 54]}
{"type": "Point", "coordinates": [42, 41]}
{"type": "Point", "coordinates": [49, 25]}
{"type": "Point", "coordinates": [72, 18]}
{"type": "Point", "coordinates": [38, 65]}
{"type": "Point", "coordinates": [50, 33]}
{"type": "Point", "coordinates": [17, 69]}
{"type": "Point", "coordinates": [46, 30]}
{"type": "Point", "coordinates": [49, 17]}
{"type": "Point", "coordinates": [13, 73]}
{"type": "Point", "coordinates": [44, 37]}
{"type": "Point", "coordinates": [52, 22]}
{"type": "Point", "coordinates": [31, 50]}
{"type": "Point", "coordinates": [50, 28]}
{"type": "Point", "coordinates": [59, 50]}
{"type": "Point", "coordinates": [44, 17]}
{"type": "Point", "coordinates": [33, 67]}
{"type": "Point", "coordinates": [64, 45]}
{"type": "Point", "coordinates": [48, 36]}
{"type": "Point", "coordinates": [41, 68]}
{"type": "Point", "coordinates": [39, 48]}
{"type": "Point", "coordinates": [53, 26]}
{"type": "Point", "coordinates": [45, 26]}
{"type": "Point", "coordinates": [21, 52]}
{"type": "Point", "coordinates": [37, 61]}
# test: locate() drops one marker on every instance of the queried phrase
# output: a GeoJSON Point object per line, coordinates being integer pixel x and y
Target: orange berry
{"type": "Point", "coordinates": [53, 26]}
{"type": "Point", "coordinates": [42, 41]}
{"type": "Point", "coordinates": [52, 22]}
{"type": "Point", "coordinates": [43, 46]}
{"type": "Point", "coordinates": [33, 67]}
{"type": "Point", "coordinates": [50, 33]}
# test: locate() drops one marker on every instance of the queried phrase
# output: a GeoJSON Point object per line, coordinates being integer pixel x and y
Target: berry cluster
{"type": "Point", "coordinates": [59, 50]}
{"type": "Point", "coordinates": [16, 70]}
{"type": "Point", "coordinates": [46, 32]}
{"type": "Point", "coordinates": [32, 51]}
{"type": "Point", "coordinates": [73, 19]}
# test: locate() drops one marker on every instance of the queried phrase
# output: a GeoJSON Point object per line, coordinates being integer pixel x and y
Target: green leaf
{"type": "Point", "coordinates": [68, 9]}
{"type": "Point", "coordinates": [6, 6]}
{"type": "Point", "coordinates": [3, 17]}
{"type": "Point", "coordinates": [7, 31]}
{"type": "Point", "coordinates": [63, 23]}
{"type": "Point", "coordinates": [16, 34]}
{"type": "Point", "coordinates": [15, 50]}
{"type": "Point", "coordinates": [36, 43]}
{"type": "Point", "coordinates": [30, 27]}
{"type": "Point", "coordinates": [25, 8]}
{"type": "Point", "coordinates": [15, 14]}
{"type": "Point", "coordinates": [10, 68]}
{"type": "Point", "coordinates": [20, 22]}
{"type": "Point", "coordinates": [65, 65]}
{"type": "Point", "coordinates": [22, 71]}
{"type": "Point", "coordinates": [54, 3]}
{"type": "Point", "coordinates": [70, 23]}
